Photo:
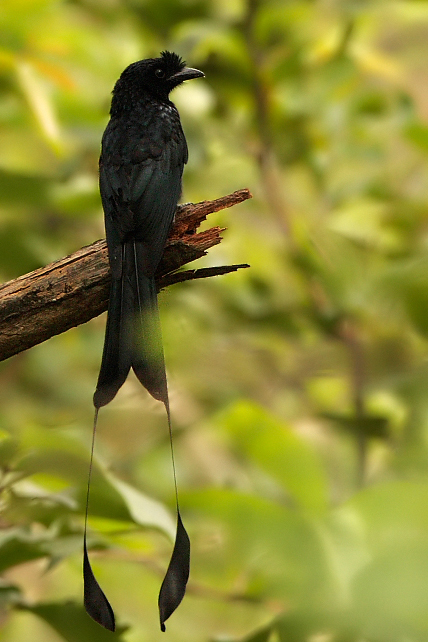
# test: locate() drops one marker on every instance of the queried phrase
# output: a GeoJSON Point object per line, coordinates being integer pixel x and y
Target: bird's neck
{"type": "Point", "coordinates": [136, 100]}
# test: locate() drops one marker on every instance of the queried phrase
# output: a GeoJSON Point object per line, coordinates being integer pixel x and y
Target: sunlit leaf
{"type": "Point", "coordinates": [143, 509]}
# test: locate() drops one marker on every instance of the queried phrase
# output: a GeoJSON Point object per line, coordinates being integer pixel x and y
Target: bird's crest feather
{"type": "Point", "coordinates": [172, 60]}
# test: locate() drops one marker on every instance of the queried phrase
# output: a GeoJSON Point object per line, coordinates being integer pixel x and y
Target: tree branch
{"type": "Point", "coordinates": [74, 289]}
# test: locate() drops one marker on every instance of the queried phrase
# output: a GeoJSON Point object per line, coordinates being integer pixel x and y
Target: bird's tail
{"type": "Point", "coordinates": [133, 340]}
{"type": "Point", "coordinates": [133, 334]}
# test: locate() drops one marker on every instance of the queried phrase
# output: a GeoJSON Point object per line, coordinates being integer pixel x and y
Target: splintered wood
{"type": "Point", "coordinates": [74, 289]}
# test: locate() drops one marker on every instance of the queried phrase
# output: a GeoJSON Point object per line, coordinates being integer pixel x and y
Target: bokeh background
{"type": "Point", "coordinates": [299, 387]}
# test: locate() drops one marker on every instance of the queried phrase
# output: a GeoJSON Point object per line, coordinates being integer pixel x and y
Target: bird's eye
{"type": "Point", "coordinates": [159, 73]}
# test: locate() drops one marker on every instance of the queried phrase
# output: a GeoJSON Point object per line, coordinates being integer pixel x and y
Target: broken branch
{"type": "Point", "coordinates": [74, 289]}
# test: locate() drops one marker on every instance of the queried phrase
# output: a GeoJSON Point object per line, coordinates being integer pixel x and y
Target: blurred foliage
{"type": "Point", "coordinates": [299, 387]}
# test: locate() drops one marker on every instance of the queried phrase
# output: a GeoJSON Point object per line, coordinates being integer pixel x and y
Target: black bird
{"type": "Point", "coordinates": [141, 165]}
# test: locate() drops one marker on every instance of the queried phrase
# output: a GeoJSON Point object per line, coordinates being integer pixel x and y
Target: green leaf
{"type": "Point", "coordinates": [392, 514]}
{"type": "Point", "coordinates": [279, 451]}
{"type": "Point", "coordinates": [64, 461]}
{"type": "Point", "coordinates": [405, 283]}
{"type": "Point", "coordinates": [277, 546]}
{"type": "Point", "coordinates": [143, 509]}
{"type": "Point", "coordinates": [18, 546]}
{"type": "Point", "coordinates": [418, 134]}
{"type": "Point", "coordinates": [391, 595]}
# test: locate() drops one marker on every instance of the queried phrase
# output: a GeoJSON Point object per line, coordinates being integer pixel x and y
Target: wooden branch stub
{"type": "Point", "coordinates": [74, 289]}
{"type": "Point", "coordinates": [201, 273]}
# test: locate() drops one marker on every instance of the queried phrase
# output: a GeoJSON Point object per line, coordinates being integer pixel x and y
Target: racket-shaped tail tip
{"type": "Point", "coordinates": [174, 584]}
{"type": "Point", "coordinates": [96, 604]}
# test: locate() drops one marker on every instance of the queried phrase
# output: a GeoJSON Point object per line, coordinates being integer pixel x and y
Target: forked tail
{"type": "Point", "coordinates": [133, 340]}
{"type": "Point", "coordinates": [133, 334]}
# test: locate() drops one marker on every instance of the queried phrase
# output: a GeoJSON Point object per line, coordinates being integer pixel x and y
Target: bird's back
{"type": "Point", "coordinates": [141, 165]}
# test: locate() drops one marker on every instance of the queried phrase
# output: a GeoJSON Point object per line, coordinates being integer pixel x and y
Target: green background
{"type": "Point", "coordinates": [299, 387]}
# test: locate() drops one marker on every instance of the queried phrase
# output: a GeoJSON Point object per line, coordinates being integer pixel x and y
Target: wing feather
{"type": "Point", "coordinates": [140, 184]}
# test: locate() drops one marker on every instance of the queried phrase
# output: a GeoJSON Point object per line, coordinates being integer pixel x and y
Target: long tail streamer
{"type": "Point", "coordinates": [96, 603]}
{"type": "Point", "coordinates": [174, 584]}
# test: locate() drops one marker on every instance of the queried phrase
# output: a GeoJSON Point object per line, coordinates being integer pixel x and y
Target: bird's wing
{"type": "Point", "coordinates": [140, 184]}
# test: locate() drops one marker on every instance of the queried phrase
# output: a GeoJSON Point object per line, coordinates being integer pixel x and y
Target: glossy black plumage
{"type": "Point", "coordinates": [142, 159]}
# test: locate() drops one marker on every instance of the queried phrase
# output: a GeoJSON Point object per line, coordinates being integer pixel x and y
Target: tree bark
{"type": "Point", "coordinates": [74, 289]}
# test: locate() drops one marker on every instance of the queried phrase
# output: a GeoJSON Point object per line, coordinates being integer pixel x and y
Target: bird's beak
{"type": "Point", "coordinates": [187, 74]}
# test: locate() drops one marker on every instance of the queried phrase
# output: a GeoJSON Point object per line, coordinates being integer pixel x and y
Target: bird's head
{"type": "Point", "coordinates": [154, 76]}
